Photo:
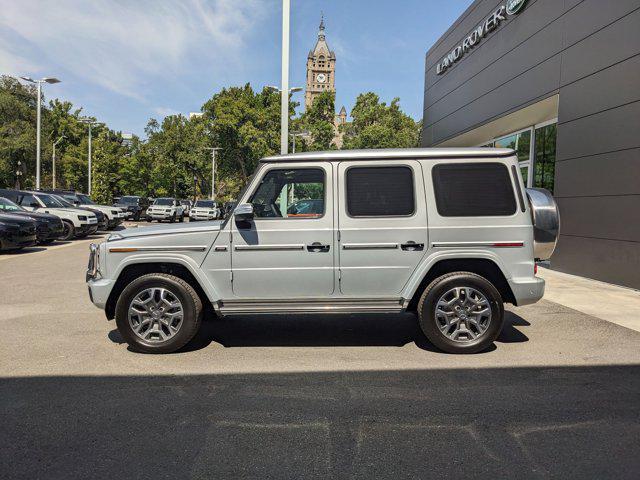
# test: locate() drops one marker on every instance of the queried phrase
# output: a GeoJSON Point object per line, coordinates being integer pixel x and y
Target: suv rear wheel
{"type": "Point", "coordinates": [461, 312]}
{"type": "Point", "coordinates": [158, 313]}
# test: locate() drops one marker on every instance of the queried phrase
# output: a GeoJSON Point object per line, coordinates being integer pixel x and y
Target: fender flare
{"type": "Point", "coordinates": [425, 266]}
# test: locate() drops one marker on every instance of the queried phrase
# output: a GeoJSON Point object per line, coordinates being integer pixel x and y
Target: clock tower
{"type": "Point", "coordinates": [321, 67]}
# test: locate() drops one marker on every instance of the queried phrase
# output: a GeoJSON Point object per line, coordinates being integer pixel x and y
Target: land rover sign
{"type": "Point", "coordinates": [512, 7]}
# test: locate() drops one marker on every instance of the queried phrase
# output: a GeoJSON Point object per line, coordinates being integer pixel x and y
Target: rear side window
{"type": "Point", "coordinates": [380, 192]}
{"type": "Point", "coordinates": [473, 190]}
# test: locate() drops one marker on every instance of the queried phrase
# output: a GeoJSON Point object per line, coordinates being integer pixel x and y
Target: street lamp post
{"type": "Point", "coordinates": [53, 158]}
{"type": "Point", "coordinates": [297, 134]}
{"type": "Point", "coordinates": [90, 123]}
{"type": "Point", "coordinates": [39, 83]}
{"type": "Point", "coordinates": [213, 170]}
{"type": "Point", "coordinates": [284, 82]}
{"type": "Point", "coordinates": [284, 115]}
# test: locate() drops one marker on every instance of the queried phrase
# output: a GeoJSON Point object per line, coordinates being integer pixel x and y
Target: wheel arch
{"type": "Point", "coordinates": [134, 270]}
{"type": "Point", "coordinates": [485, 267]}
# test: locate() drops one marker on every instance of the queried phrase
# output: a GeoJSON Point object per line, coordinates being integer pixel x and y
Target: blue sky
{"type": "Point", "coordinates": [126, 61]}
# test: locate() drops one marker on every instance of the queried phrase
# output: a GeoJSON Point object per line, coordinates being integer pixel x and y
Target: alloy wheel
{"type": "Point", "coordinates": [155, 315]}
{"type": "Point", "coordinates": [463, 314]}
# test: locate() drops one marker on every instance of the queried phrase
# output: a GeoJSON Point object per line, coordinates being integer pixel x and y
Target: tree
{"type": "Point", "coordinates": [318, 120]}
{"type": "Point", "coordinates": [378, 125]}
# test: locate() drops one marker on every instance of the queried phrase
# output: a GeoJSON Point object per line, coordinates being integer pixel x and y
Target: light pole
{"type": "Point", "coordinates": [54, 160]}
{"type": "Point", "coordinates": [213, 170]}
{"type": "Point", "coordinates": [284, 114]}
{"type": "Point", "coordinates": [284, 82]}
{"type": "Point", "coordinates": [297, 134]}
{"type": "Point", "coordinates": [39, 83]}
{"type": "Point", "coordinates": [90, 122]}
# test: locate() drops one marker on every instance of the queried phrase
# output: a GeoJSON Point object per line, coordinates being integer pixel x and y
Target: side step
{"type": "Point", "coordinates": [337, 305]}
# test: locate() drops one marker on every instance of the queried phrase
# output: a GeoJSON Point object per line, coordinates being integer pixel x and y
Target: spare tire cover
{"type": "Point", "coordinates": [546, 222]}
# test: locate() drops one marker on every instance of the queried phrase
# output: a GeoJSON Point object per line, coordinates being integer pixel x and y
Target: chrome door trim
{"type": "Point", "coordinates": [267, 248]}
{"type": "Point", "coordinates": [336, 305]}
{"type": "Point", "coordinates": [370, 246]}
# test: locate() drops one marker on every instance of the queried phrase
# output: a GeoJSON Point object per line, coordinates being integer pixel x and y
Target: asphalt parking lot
{"type": "Point", "coordinates": [318, 397]}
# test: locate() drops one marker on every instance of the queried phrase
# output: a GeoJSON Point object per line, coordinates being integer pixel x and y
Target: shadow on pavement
{"type": "Point", "coordinates": [324, 331]}
{"type": "Point", "coordinates": [551, 422]}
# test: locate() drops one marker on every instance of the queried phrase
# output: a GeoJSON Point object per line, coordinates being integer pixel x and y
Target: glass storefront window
{"type": "Point", "coordinates": [545, 157]}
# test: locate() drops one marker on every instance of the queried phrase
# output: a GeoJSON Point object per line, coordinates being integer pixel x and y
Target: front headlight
{"type": "Point", "coordinates": [82, 218]}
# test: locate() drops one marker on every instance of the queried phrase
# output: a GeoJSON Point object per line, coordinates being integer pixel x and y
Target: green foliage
{"type": "Point", "coordinates": [175, 159]}
{"type": "Point", "coordinates": [319, 122]}
{"type": "Point", "coordinates": [376, 125]}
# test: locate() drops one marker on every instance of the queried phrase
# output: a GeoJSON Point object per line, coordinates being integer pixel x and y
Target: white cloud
{"type": "Point", "coordinates": [165, 111]}
{"type": "Point", "coordinates": [122, 45]}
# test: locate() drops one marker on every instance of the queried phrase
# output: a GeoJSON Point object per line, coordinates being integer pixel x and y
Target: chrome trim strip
{"type": "Point", "coordinates": [236, 307]}
{"type": "Point", "coordinates": [514, 244]}
{"type": "Point", "coordinates": [370, 246]}
{"type": "Point", "coordinates": [267, 248]}
{"type": "Point", "coordinates": [193, 248]}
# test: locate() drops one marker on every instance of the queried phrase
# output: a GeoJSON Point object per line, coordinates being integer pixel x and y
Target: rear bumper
{"type": "Point", "coordinates": [527, 290]}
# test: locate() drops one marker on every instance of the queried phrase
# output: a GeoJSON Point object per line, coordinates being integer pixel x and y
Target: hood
{"type": "Point", "coordinates": [75, 211]}
{"type": "Point", "coordinates": [212, 226]}
{"type": "Point", "coordinates": [15, 219]}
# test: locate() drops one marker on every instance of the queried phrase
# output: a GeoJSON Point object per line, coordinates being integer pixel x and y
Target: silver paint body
{"type": "Point", "coordinates": [268, 266]}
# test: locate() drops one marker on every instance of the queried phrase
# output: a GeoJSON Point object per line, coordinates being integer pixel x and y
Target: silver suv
{"type": "Point", "coordinates": [450, 234]}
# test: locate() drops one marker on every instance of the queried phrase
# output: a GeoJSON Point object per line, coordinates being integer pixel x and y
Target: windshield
{"type": "Point", "coordinates": [51, 202]}
{"type": "Point", "coordinates": [9, 206]}
{"type": "Point", "coordinates": [85, 199]}
{"type": "Point", "coordinates": [63, 201]}
{"type": "Point", "coordinates": [129, 200]}
{"type": "Point", "coordinates": [205, 204]}
{"type": "Point", "coordinates": [69, 197]}
{"type": "Point", "coordinates": [164, 201]}
{"type": "Point", "coordinates": [185, 202]}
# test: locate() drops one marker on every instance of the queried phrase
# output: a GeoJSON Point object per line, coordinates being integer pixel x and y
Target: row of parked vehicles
{"type": "Point", "coordinates": [169, 209]}
{"type": "Point", "coordinates": [41, 217]}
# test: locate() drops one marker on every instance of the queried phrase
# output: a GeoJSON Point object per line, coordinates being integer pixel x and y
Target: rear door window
{"type": "Point", "coordinates": [380, 192]}
{"type": "Point", "coordinates": [473, 190]}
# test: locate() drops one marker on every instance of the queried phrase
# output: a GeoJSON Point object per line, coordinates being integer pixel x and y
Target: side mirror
{"type": "Point", "coordinates": [244, 212]}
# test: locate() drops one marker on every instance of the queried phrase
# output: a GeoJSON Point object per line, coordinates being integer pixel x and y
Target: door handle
{"type": "Point", "coordinates": [318, 247]}
{"type": "Point", "coordinates": [412, 246]}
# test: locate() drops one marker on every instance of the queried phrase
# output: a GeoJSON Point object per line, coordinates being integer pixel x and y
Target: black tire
{"type": "Point", "coordinates": [181, 218]}
{"type": "Point", "coordinates": [69, 231]}
{"type": "Point", "coordinates": [136, 217]}
{"type": "Point", "coordinates": [173, 218]}
{"type": "Point", "coordinates": [192, 309]}
{"type": "Point", "coordinates": [439, 287]}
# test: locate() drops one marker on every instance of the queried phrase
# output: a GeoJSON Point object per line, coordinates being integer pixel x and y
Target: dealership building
{"type": "Point", "coordinates": [559, 82]}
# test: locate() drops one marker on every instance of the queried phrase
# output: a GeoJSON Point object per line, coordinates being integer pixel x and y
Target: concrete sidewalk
{"type": "Point", "coordinates": [608, 302]}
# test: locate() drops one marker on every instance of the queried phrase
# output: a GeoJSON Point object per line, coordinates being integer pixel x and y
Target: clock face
{"type": "Point", "coordinates": [321, 78]}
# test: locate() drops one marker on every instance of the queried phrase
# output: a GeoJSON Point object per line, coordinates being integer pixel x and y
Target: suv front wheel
{"type": "Point", "coordinates": [461, 312]}
{"type": "Point", "coordinates": [158, 313]}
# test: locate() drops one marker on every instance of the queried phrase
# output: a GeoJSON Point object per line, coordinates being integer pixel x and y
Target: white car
{"type": "Point", "coordinates": [114, 215]}
{"type": "Point", "coordinates": [78, 223]}
{"type": "Point", "coordinates": [204, 210]}
{"type": "Point", "coordinates": [166, 209]}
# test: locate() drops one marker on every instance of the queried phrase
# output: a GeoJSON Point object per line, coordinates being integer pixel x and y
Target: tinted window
{"type": "Point", "coordinates": [165, 201]}
{"type": "Point", "coordinates": [473, 190]}
{"type": "Point", "coordinates": [28, 200]}
{"type": "Point", "coordinates": [380, 192]}
{"type": "Point", "coordinates": [205, 204]}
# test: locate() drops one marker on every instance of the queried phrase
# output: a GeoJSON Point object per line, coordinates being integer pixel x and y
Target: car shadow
{"type": "Point", "coordinates": [24, 251]}
{"type": "Point", "coordinates": [342, 330]}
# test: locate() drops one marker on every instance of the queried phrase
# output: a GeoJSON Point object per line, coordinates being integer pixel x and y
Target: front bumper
{"type": "Point", "coordinates": [527, 290]}
{"type": "Point", "coordinates": [99, 290]}
{"type": "Point", "coordinates": [202, 217]}
{"type": "Point", "coordinates": [12, 241]}
{"type": "Point", "coordinates": [160, 216]}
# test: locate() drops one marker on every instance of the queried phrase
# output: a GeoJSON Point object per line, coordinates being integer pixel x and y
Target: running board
{"type": "Point", "coordinates": [338, 305]}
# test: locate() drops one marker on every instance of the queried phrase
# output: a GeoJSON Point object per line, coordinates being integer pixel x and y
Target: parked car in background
{"type": "Point", "coordinates": [48, 227]}
{"type": "Point", "coordinates": [16, 232]}
{"type": "Point", "coordinates": [77, 223]}
{"type": "Point", "coordinates": [102, 218]}
{"type": "Point", "coordinates": [448, 234]}
{"type": "Point", "coordinates": [135, 207]}
{"type": "Point", "coordinates": [113, 215]}
{"type": "Point", "coordinates": [187, 204]}
{"type": "Point", "coordinates": [166, 209]}
{"type": "Point", "coordinates": [307, 208]}
{"type": "Point", "coordinates": [227, 208]}
{"type": "Point", "coordinates": [205, 210]}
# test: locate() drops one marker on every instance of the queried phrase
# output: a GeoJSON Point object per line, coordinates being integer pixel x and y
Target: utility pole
{"type": "Point", "coordinates": [39, 83]}
{"type": "Point", "coordinates": [90, 123]}
{"type": "Point", "coordinates": [284, 97]}
{"type": "Point", "coordinates": [213, 170]}
{"type": "Point", "coordinates": [54, 161]}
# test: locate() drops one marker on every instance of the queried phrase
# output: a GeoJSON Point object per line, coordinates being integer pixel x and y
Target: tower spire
{"type": "Point", "coordinates": [321, 29]}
